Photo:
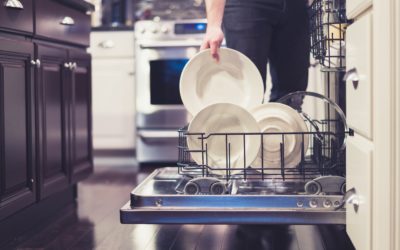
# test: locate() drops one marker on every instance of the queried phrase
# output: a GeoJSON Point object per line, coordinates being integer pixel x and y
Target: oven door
{"type": "Point", "coordinates": [159, 66]}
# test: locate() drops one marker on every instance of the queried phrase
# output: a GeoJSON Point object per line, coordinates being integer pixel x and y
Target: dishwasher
{"type": "Point", "coordinates": [312, 193]}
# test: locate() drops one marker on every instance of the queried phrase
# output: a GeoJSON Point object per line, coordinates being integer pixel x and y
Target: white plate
{"type": "Point", "coordinates": [224, 118]}
{"type": "Point", "coordinates": [280, 118]}
{"type": "Point", "coordinates": [234, 79]}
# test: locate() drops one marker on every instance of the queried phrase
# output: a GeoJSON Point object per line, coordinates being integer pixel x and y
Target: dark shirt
{"type": "Point", "coordinates": [263, 4]}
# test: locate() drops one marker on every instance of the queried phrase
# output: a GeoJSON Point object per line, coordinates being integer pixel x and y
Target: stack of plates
{"type": "Point", "coordinates": [226, 97]}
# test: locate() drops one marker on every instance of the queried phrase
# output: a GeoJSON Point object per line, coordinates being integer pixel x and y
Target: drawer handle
{"type": "Point", "coordinates": [14, 4]}
{"type": "Point", "coordinates": [107, 44]}
{"type": "Point", "coordinates": [352, 75]}
{"type": "Point", "coordinates": [69, 21]}
{"type": "Point", "coordinates": [351, 198]}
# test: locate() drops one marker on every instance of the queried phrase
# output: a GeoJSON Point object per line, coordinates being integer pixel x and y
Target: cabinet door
{"type": "Point", "coordinates": [80, 116]}
{"type": "Point", "coordinates": [17, 168]}
{"type": "Point", "coordinates": [52, 80]}
{"type": "Point", "coordinates": [359, 168]}
{"type": "Point", "coordinates": [359, 84]}
{"type": "Point", "coordinates": [114, 125]}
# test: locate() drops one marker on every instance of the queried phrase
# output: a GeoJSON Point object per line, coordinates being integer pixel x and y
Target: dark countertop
{"type": "Point", "coordinates": [110, 28]}
{"type": "Point", "coordinates": [79, 4]}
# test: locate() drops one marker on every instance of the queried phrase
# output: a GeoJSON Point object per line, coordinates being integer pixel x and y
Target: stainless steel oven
{"type": "Point", "coordinates": [162, 50]}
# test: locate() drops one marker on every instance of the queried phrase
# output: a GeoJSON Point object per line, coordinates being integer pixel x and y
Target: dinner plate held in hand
{"type": "Point", "coordinates": [234, 79]}
{"type": "Point", "coordinates": [224, 118]}
{"type": "Point", "coordinates": [279, 118]}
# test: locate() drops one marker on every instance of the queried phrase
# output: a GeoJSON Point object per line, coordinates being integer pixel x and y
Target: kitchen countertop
{"type": "Point", "coordinates": [79, 4]}
{"type": "Point", "coordinates": [109, 28]}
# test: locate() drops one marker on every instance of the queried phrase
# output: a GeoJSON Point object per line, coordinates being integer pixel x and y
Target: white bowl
{"type": "Point", "coordinates": [234, 79]}
{"type": "Point", "coordinates": [224, 118]}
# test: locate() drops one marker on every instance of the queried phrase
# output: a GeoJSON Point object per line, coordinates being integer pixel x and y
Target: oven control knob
{"type": "Point", "coordinates": [164, 29]}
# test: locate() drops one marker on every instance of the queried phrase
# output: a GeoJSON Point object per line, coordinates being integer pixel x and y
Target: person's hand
{"type": "Point", "coordinates": [213, 39]}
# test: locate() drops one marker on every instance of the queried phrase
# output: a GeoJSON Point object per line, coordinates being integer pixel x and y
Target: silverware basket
{"type": "Point", "coordinates": [327, 29]}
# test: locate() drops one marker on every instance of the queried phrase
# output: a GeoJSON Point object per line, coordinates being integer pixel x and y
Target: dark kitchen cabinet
{"type": "Point", "coordinates": [16, 16]}
{"type": "Point", "coordinates": [80, 115]}
{"type": "Point", "coordinates": [17, 134]}
{"type": "Point", "coordinates": [62, 22]}
{"type": "Point", "coordinates": [52, 83]}
{"type": "Point", "coordinates": [45, 109]}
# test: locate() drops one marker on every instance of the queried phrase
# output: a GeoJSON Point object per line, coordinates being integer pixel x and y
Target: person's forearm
{"type": "Point", "coordinates": [215, 12]}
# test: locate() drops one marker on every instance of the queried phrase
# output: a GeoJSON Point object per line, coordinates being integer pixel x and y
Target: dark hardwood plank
{"type": "Point", "coordinates": [212, 237]}
{"type": "Point", "coordinates": [164, 237]}
{"type": "Point", "coordinates": [232, 239]}
{"type": "Point", "coordinates": [255, 237]}
{"type": "Point", "coordinates": [130, 237]}
{"type": "Point", "coordinates": [187, 237]}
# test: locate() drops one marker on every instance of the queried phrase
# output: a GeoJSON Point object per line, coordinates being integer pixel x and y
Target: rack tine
{"type": "Point", "coordinates": [282, 161]}
{"type": "Point", "coordinates": [244, 156]}
{"type": "Point", "coordinates": [229, 160]}
{"type": "Point", "coordinates": [262, 157]}
{"type": "Point", "coordinates": [227, 155]}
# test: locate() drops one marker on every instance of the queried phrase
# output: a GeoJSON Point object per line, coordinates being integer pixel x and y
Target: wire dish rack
{"type": "Point", "coordinates": [309, 193]}
{"type": "Point", "coordinates": [321, 167]}
{"type": "Point", "coordinates": [328, 23]}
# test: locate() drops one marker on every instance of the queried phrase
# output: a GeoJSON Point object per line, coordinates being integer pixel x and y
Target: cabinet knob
{"type": "Point", "coordinates": [69, 21]}
{"type": "Point", "coordinates": [70, 65]}
{"type": "Point", "coordinates": [352, 75]}
{"type": "Point", "coordinates": [36, 63]}
{"type": "Point", "coordinates": [107, 44]}
{"type": "Point", "coordinates": [67, 65]}
{"type": "Point", "coordinates": [14, 4]}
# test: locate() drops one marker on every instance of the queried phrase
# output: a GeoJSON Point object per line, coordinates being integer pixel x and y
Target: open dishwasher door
{"type": "Point", "coordinates": [198, 193]}
{"type": "Point", "coordinates": [157, 201]}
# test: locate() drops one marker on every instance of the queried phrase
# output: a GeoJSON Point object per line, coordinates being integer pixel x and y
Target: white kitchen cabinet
{"type": "Point", "coordinates": [359, 83]}
{"type": "Point", "coordinates": [355, 7]}
{"type": "Point", "coordinates": [373, 154]}
{"type": "Point", "coordinates": [358, 217]}
{"type": "Point", "coordinates": [115, 44]}
{"type": "Point", "coordinates": [113, 90]}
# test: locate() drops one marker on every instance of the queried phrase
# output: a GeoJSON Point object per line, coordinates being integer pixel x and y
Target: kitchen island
{"type": "Point", "coordinates": [45, 109]}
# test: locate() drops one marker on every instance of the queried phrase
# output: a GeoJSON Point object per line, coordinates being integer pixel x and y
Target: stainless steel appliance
{"type": "Point", "coordinates": [311, 193]}
{"type": "Point", "coordinates": [162, 50]}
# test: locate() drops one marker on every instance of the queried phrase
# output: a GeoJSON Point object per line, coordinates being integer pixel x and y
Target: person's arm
{"type": "Point", "coordinates": [214, 35]}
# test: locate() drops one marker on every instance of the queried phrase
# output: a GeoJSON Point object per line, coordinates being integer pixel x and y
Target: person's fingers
{"type": "Point", "coordinates": [214, 50]}
{"type": "Point", "coordinates": [204, 45]}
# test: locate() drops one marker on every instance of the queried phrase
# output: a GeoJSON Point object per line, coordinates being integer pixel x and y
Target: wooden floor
{"type": "Point", "coordinates": [93, 223]}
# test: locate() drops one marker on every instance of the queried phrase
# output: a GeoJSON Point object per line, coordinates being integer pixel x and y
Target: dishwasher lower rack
{"type": "Point", "coordinates": [157, 201]}
{"type": "Point", "coordinates": [321, 167]}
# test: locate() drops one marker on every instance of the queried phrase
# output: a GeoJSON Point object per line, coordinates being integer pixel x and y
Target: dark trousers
{"type": "Point", "coordinates": [274, 31]}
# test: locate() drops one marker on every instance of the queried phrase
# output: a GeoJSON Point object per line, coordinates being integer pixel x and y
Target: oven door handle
{"type": "Point", "coordinates": [158, 134]}
{"type": "Point", "coordinates": [169, 45]}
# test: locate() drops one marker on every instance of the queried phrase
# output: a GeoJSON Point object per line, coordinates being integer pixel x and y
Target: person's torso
{"type": "Point", "coordinates": [263, 4]}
